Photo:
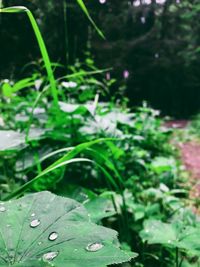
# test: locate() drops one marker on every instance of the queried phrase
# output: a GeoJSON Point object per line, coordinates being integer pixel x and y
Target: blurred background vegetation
{"type": "Point", "coordinates": [155, 39]}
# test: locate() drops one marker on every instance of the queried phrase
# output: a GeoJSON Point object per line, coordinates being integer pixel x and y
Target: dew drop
{"type": "Point", "coordinates": [35, 223]}
{"type": "Point", "coordinates": [169, 241]}
{"type": "Point", "coordinates": [93, 247]}
{"type": "Point", "coordinates": [2, 209]}
{"type": "Point", "coordinates": [39, 243]}
{"type": "Point", "coordinates": [50, 256]}
{"type": "Point", "coordinates": [33, 214]}
{"type": "Point", "coordinates": [53, 236]}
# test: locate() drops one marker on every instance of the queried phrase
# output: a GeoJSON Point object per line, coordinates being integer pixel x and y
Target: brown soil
{"type": "Point", "coordinates": [190, 153]}
{"type": "Point", "coordinates": [178, 124]}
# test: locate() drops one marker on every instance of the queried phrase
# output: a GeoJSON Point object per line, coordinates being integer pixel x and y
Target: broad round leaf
{"type": "Point", "coordinates": [43, 227]}
{"type": "Point", "coordinates": [175, 234]}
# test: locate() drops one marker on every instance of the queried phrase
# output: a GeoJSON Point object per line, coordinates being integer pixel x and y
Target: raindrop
{"type": "Point", "coordinates": [93, 247]}
{"type": "Point", "coordinates": [35, 223]}
{"type": "Point", "coordinates": [33, 214]}
{"type": "Point", "coordinates": [53, 236]}
{"type": "Point", "coordinates": [50, 256]}
{"type": "Point", "coordinates": [39, 243]}
{"type": "Point", "coordinates": [2, 209]}
{"type": "Point", "coordinates": [169, 241]}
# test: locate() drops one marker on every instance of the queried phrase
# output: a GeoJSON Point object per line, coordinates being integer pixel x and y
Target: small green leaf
{"type": "Point", "coordinates": [100, 208]}
{"type": "Point", "coordinates": [7, 90]}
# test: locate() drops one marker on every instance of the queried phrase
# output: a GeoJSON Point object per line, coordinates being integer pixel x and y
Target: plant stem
{"type": "Point", "coordinates": [66, 40]}
{"type": "Point", "coordinates": [177, 259]}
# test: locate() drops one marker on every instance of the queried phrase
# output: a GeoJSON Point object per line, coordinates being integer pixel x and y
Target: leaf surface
{"type": "Point", "coordinates": [43, 227]}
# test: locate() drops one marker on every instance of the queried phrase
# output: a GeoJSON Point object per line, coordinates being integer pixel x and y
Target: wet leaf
{"type": "Point", "coordinates": [43, 227]}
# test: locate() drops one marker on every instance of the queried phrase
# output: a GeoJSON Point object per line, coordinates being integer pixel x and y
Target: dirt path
{"type": "Point", "coordinates": [190, 153]}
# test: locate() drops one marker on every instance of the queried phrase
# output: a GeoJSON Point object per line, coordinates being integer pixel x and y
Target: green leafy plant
{"type": "Point", "coordinates": [183, 238]}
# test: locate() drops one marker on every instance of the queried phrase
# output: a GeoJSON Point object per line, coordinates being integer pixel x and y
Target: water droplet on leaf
{"type": "Point", "coordinates": [35, 223]}
{"type": "Point", "coordinates": [94, 247]}
{"type": "Point", "coordinates": [50, 256]}
{"type": "Point", "coordinates": [53, 236]}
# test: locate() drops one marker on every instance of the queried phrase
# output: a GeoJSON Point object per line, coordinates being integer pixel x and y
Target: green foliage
{"type": "Point", "coordinates": [177, 235]}
{"type": "Point", "coordinates": [125, 174]}
{"type": "Point", "coordinates": [124, 170]}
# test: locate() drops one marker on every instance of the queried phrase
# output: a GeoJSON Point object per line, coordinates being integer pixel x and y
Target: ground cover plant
{"type": "Point", "coordinates": [107, 166]}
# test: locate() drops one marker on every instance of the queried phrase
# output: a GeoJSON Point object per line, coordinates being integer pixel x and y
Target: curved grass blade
{"type": "Point", "coordinates": [42, 46]}
{"type": "Point", "coordinates": [83, 73]}
{"type": "Point", "coordinates": [102, 158]}
{"type": "Point", "coordinates": [84, 9]}
{"type": "Point", "coordinates": [66, 159]}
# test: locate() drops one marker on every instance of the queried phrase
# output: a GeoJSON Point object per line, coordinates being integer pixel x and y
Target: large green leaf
{"type": "Point", "coordinates": [44, 227]}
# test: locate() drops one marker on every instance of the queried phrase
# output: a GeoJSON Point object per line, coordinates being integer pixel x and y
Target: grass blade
{"type": "Point", "coordinates": [65, 160]}
{"type": "Point", "coordinates": [42, 46]}
{"type": "Point", "coordinates": [84, 9]}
